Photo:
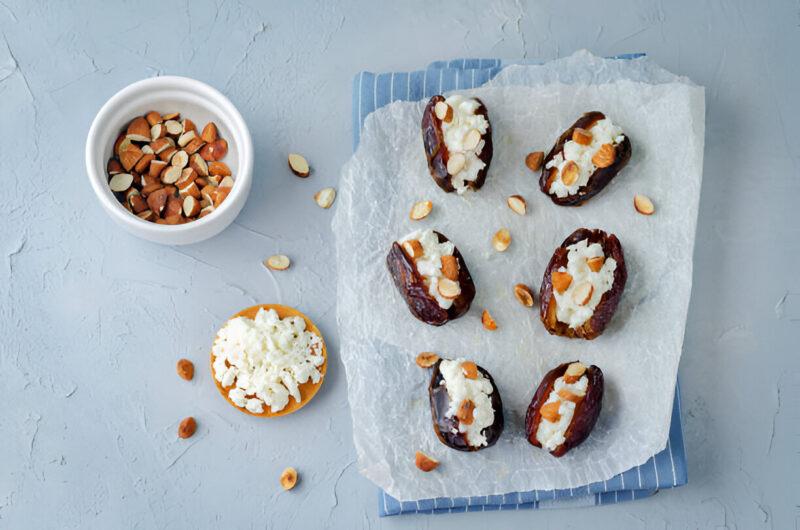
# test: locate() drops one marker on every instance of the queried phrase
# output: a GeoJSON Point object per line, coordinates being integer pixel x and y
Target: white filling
{"type": "Point", "coordinates": [464, 120]}
{"type": "Point", "coordinates": [266, 358]}
{"type": "Point", "coordinates": [551, 434]}
{"type": "Point", "coordinates": [477, 390]}
{"type": "Point", "coordinates": [567, 311]}
{"type": "Point", "coordinates": [430, 263]}
{"type": "Point", "coordinates": [603, 132]}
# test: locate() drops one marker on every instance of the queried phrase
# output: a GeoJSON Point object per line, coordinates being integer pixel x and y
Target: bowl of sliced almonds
{"type": "Point", "coordinates": [170, 159]}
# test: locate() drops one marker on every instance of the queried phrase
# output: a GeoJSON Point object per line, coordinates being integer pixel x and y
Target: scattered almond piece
{"type": "Point", "coordinates": [561, 281]}
{"type": "Point", "coordinates": [324, 197]}
{"type": "Point", "coordinates": [517, 204]}
{"type": "Point", "coordinates": [574, 372]}
{"type": "Point", "coordinates": [596, 263]}
{"type": "Point", "coordinates": [523, 294]}
{"type": "Point", "coordinates": [424, 462]}
{"type": "Point", "coordinates": [278, 262]}
{"type": "Point", "coordinates": [450, 267]}
{"type": "Point", "coordinates": [426, 359]}
{"type": "Point", "coordinates": [456, 163]}
{"type": "Point", "coordinates": [549, 411]}
{"type": "Point", "coordinates": [488, 322]}
{"type": "Point", "coordinates": [187, 428]}
{"type": "Point", "coordinates": [469, 369]}
{"type": "Point", "coordinates": [413, 249]}
{"type": "Point", "coordinates": [501, 240]}
{"type": "Point", "coordinates": [185, 369]}
{"type": "Point", "coordinates": [604, 156]}
{"type": "Point", "coordinates": [569, 173]}
{"type": "Point", "coordinates": [582, 293]}
{"type": "Point", "coordinates": [443, 111]}
{"type": "Point", "coordinates": [464, 413]}
{"type": "Point", "coordinates": [448, 288]}
{"type": "Point", "coordinates": [289, 478]}
{"type": "Point", "coordinates": [534, 160]}
{"type": "Point", "coordinates": [643, 205]}
{"type": "Point", "coordinates": [471, 140]}
{"type": "Point", "coordinates": [581, 136]}
{"type": "Point", "coordinates": [420, 210]}
{"type": "Point", "coordinates": [299, 165]}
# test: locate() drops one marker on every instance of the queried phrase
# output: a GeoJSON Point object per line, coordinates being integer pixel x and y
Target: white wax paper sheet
{"type": "Point", "coordinates": [529, 107]}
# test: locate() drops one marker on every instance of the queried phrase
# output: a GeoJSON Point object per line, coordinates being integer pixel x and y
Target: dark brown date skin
{"type": "Point", "coordinates": [409, 283]}
{"type": "Point", "coordinates": [436, 151]}
{"type": "Point", "coordinates": [599, 179]}
{"type": "Point", "coordinates": [443, 425]}
{"type": "Point", "coordinates": [597, 323]}
{"type": "Point", "coordinates": [586, 410]}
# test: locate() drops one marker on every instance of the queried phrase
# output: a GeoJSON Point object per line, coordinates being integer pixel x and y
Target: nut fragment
{"type": "Point", "coordinates": [604, 156]}
{"type": "Point", "coordinates": [218, 168]}
{"type": "Point", "coordinates": [469, 369]}
{"type": "Point", "coordinates": [596, 263]}
{"type": "Point", "coordinates": [171, 175]}
{"type": "Point", "coordinates": [448, 288]}
{"type": "Point", "coordinates": [299, 165]}
{"type": "Point", "coordinates": [289, 478]}
{"type": "Point", "coordinates": [413, 249]}
{"type": "Point", "coordinates": [574, 372]}
{"type": "Point", "coordinates": [643, 205]}
{"type": "Point", "coordinates": [420, 210]}
{"type": "Point", "coordinates": [138, 130]}
{"type": "Point", "coordinates": [153, 117]}
{"type": "Point", "coordinates": [187, 427]}
{"type": "Point", "coordinates": [114, 167]}
{"type": "Point", "coordinates": [517, 204]}
{"type": "Point", "coordinates": [471, 140]}
{"type": "Point", "coordinates": [566, 395]}
{"type": "Point", "coordinates": [426, 359]}
{"type": "Point", "coordinates": [443, 111]}
{"type": "Point", "coordinates": [170, 116]}
{"type": "Point", "coordinates": [561, 281]}
{"type": "Point", "coordinates": [523, 294]}
{"type": "Point", "coordinates": [581, 136]}
{"type": "Point", "coordinates": [424, 462]}
{"type": "Point", "coordinates": [488, 322]}
{"type": "Point", "coordinates": [534, 160]}
{"type": "Point", "coordinates": [501, 240]}
{"type": "Point", "coordinates": [450, 267]}
{"type": "Point", "coordinates": [456, 163]}
{"type": "Point", "coordinates": [209, 133]}
{"type": "Point", "coordinates": [120, 182]}
{"type": "Point", "coordinates": [199, 165]}
{"type": "Point", "coordinates": [191, 206]}
{"type": "Point", "coordinates": [324, 197]}
{"type": "Point", "coordinates": [185, 369]}
{"type": "Point", "coordinates": [464, 413]}
{"type": "Point", "coordinates": [278, 262]}
{"type": "Point", "coordinates": [180, 159]}
{"type": "Point", "coordinates": [144, 162]}
{"type": "Point", "coordinates": [582, 293]}
{"type": "Point", "coordinates": [227, 182]}
{"type": "Point", "coordinates": [549, 411]}
{"type": "Point", "coordinates": [173, 127]}
{"type": "Point", "coordinates": [569, 173]}
{"type": "Point", "coordinates": [187, 137]}
{"type": "Point", "coordinates": [129, 155]}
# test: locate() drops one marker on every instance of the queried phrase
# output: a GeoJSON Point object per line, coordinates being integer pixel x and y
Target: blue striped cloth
{"type": "Point", "coordinates": [664, 470]}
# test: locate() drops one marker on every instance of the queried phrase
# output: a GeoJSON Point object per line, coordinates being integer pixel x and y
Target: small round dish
{"type": "Point", "coordinates": [307, 389]}
{"type": "Point", "coordinates": [194, 100]}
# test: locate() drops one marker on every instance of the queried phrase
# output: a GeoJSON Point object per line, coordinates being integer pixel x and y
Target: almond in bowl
{"type": "Point", "coordinates": [268, 360]}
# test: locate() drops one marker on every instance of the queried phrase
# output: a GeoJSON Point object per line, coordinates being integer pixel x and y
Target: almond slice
{"type": "Point", "coordinates": [278, 262]}
{"type": "Point", "coordinates": [209, 133]}
{"type": "Point", "coordinates": [120, 182]}
{"type": "Point", "coordinates": [488, 322]}
{"type": "Point", "coordinates": [448, 288]}
{"type": "Point", "coordinates": [643, 205]}
{"type": "Point", "coordinates": [144, 162]}
{"type": "Point", "coordinates": [156, 167]}
{"type": "Point", "coordinates": [582, 293]}
{"type": "Point", "coordinates": [191, 206]}
{"type": "Point", "coordinates": [200, 166]}
{"type": "Point", "coordinates": [534, 160]}
{"type": "Point", "coordinates": [424, 462]}
{"type": "Point", "coordinates": [413, 249]}
{"type": "Point", "coordinates": [596, 263]}
{"type": "Point", "coordinates": [114, 167]}
{"type": "Point", "coordinates": [187, 137]}
{"type": "Point", "coordinates": [180, 159]}
{"type": "Point", "coordinates": [569, 173]}
{"type": "Point", "coordinates": [188, 125]}
{"type": "Point", "coordinates": [566, 395]}
{"type": "Point", "coordinates": [289, 478]}
{"type": "Point", "coordinates": [171, 116]}
{"type": "Point", "coordinates": [464, 413]}
{"type": "Point", "coordinates": [171, 175]}
{"type": "Point", "coordinates": [549, 411]}
{"type": "Point", "coordinates": [581, 136]}
{"type": "Point", "coordinates": [456, 163]}
{"type": "Point", "coordinates": [517, 204]}
{"type": "Point", "coordinates": [574, 372]}
{"type": "Point", "coordinates": [138, 130]}
{"type": "Point", "coordinates": [501, 240]}
{"type": "Point", "coordinates": [450, 267]}
{"type": "Point", "coordinates": [173, 127]}
{"type": "Point", "coordinates": [157, 131]}
{"type": "Point", "coordinates": [324, 197]}
{"type": "Point", "coordinates": [218, 168]}
{"type": "Point", "coordinates": [227, 182]}
{"type": "Point", "coordinates": [523, 294]}
{"type": "Point", "coordinates": [561, 281]}
{"type": "Point", "coordinates": [469, 369]}
{"type": "Point", "coordinates": [129, 154]}
{"type": "Point", "coordinates": [299, 165]}
{"type": "Point", "coordinates": [194, 146]}
{"type": "Point", "coordinates": [604, 156]}
{"type": "Point", "coordinates": [153, 117]}
{"type": "Point", "coordinates": [420, 210]}
{"type": "Point", "coordinates": [443, 111]}
{"type": "Point", "coordinates": [146, 149]}
{"type": "Point", "coordinates": [426, 359]}
{"type": "Point", "coordinates": [471, 140]}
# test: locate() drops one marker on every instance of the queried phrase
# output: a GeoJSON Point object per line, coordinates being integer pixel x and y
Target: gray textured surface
{"type": "Point", "coordinates": [93, 319]}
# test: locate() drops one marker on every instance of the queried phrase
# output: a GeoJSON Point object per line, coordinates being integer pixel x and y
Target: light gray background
{"type": "Point", "coordinates": [93, 320]}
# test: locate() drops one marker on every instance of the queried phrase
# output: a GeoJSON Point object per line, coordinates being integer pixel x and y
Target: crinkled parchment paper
{"type": "Point", "coordinates": [529, 106]}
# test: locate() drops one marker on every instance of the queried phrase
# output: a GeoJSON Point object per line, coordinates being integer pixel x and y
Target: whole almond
{"type": "Point", "coordinates": [185, 369]}
{"type": "Point", "coordinates": [187, 428]}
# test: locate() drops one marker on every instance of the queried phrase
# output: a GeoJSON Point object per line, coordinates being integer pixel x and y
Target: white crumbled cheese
{"type": "Point", "coordinates": [429, 264]}
{"type": "Point", "coordinates": [477, 390]}
{"type": "Point", "coordinates": [266, 359]}
{"type": "Point", "coordinates": [567, 311]}
{"type": "Point", "coordinates": [464, 120]}
{"type": "Point", "coordinates": [603, 132]}
{"type": "Point", "coordinates": [550, 434]}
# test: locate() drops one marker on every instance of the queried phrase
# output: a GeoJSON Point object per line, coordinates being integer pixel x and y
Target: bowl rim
{"type": "Point", "coordinates": [221, 105]}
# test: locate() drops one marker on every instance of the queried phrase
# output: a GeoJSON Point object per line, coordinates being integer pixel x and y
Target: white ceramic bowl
{"type": "Point", "coordinates": [201, 104]}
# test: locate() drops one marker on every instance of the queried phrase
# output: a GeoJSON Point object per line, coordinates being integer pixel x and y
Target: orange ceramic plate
{"type": "Point", "coordinates": [307, 389]}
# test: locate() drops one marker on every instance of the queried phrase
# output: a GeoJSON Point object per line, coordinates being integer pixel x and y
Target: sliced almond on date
{"type": "Point", "coordinates": [501, 240]}
{"type": "Point", "coordinates": [209, 133]}
{"type": "Point", "coordinates": [448, 288]}
{"type": "Point", "coordinates": [420, 210]}
{"type": "Point", "coordinates": [596, 263]}
{"type": "Point", "coordinates": [278, 262]}
{"type": "Point", "coordinates": [120, 182]}
{"type": "Point", "coordinates": [443, 111]}
{"type": "Point", "coordinates": [561, 281]}
{"type": "Point", "coordinates": [582, 293]}
{"type": "Point", "coordinates": [469, 369]}
{"type": "Point", "coordinates": [517, 204]}
{"type": "Point", "coordinates": [413, 248]}
{"type": "Point", "coordinates": [464, 413]}
{"type": "Point", "coordinates": [324, 197]}
{"type": "Point", "coordinates": [456, 163]}
{"type": "Point", "coordinates": [569, 173]}
{"type": "Point", "coordinates": [549, 411]}
{"type": "Point", "coordinates": [424, 462]}
{"type": "Point", "coordinates": [289, 478]}
{"type": "Point", "coordinates": [604, 156]}
{"type": "Point", "coordinates": [581, 136]}
{"type": "Point", "coordinates": [566, 395]}
{"type": "Point", "coordinates": [643, 205]}
{"type": "Point", "coordinates": [138, 130]}
{"type": "Point", "coordinates": [450, 267]}
{"type": "Point", "coordinates": [299, 165]}
{"type": "Point", "coordinates": [523, 294]}
{"type": "Point", "coordinates": [471, 140]}
{"type": "Point", "coordinates": [426, 359]}
{"type": "Point", "coordinates": [534, 160]}
{"type": "Point", "coordinates": [574, 372]}
{"type": "Point", "coordinates": [488, 322]}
